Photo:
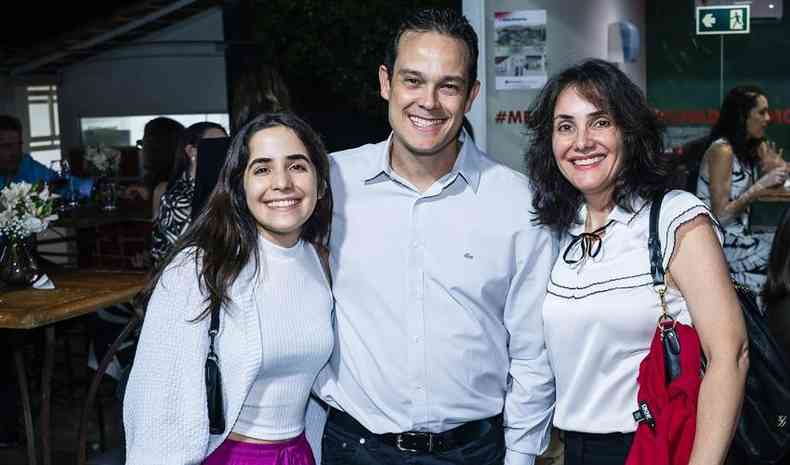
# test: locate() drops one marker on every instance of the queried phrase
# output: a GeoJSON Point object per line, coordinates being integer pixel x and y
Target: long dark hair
{"type": "Point", "coordinates": [645, 168]}
{"type": "Point", "coordinates": [224, 237]}
{"type": "Point", "coordinates": [160, 138]}
{"type": "Point", "coordinates": [189, 136]}
{"type": "Point", "coordinates": [731, 125]}
{"type": "Point", "coordinates": [777, 284]}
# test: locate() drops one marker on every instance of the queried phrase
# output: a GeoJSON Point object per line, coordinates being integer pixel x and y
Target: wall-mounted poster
{"type": "Point", "coordinates": [520, 49]}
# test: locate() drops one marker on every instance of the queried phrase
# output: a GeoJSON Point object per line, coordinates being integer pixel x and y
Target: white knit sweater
{"type": "Point", "coordinates": [164, 407]}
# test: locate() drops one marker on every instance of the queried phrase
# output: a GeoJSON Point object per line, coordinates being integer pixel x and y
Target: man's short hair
{"type": "Point", "coordinates": [442, 21]}
{"type": "Point", "coordinates": [10, 123]}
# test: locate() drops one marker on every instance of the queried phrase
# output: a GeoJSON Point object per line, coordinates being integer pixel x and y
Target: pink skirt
{"type": "Point", "coordinates": [294, 451]}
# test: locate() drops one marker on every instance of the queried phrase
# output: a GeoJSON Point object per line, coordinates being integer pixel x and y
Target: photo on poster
{"type": "Point", "coordinates": [520, 49]}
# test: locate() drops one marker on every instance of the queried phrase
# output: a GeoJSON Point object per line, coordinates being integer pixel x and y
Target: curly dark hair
{"type": "Point", "coordinates": [645, 167]}
{"type": "Point", "coordinates": [226, 232]}
{"type": "Point", "coordinates": [731, 125]}
{"type": "Point", "coordinates": [442, 21]}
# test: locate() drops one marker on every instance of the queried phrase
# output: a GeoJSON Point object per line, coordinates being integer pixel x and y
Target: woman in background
{"type": "Point", "coordinates": [157, 149]}
{"type": "Point", "coordinates": [172, 212]}
{"type": "Point", "coordinates": [728, 181]}
{"type": "Point", "coordinates": [254, 254]}
{"type": "Point", "coordinates": [595, 164]}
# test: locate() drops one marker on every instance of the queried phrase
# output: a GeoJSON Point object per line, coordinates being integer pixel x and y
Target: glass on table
{"type": "Point", "coordinates": [64, 183]}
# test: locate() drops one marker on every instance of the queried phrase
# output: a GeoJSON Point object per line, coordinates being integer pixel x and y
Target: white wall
{"type": "Point", "coordinates": [574, 30]}
{"type": "Point", "coordinates": [148, 79]}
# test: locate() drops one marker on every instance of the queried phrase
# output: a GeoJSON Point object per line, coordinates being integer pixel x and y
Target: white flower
{"type": "Point", "coordinates": [104, 160]}
{"type": "Point", "coordinates": [25, 209]}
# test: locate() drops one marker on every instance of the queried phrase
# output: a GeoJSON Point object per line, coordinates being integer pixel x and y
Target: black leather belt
{"type": "Point", "coordinates": [420, 441]}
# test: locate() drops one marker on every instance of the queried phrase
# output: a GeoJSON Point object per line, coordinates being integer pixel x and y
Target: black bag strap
{"type": "Point", "coordinates": [657, 261]}
{"type": "Point", "coordinates": [215, 410]}
{"type": "Point", "coordinates": [654, 244]}
{"type": "Point", "coordinates": [213, 330]}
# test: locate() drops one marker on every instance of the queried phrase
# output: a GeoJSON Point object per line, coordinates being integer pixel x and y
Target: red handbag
{"type": "Point", "coordinates": [669, 380]}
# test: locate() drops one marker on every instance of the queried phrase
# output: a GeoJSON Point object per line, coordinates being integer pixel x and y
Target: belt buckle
{"type": "Point", "coordinates": [412, 434]}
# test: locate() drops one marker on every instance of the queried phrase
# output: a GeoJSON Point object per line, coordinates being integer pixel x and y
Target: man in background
{"type": "Point", "coordinates": [16, 166]}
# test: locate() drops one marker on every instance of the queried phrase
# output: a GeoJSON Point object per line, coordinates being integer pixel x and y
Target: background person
{"type": "Point", "coordinates": [254, 254]}
{"type": "Point", "coordinates": [17, 166]}
{"type": "Point", "coordinates": [439, 277]}
{"type": "Point", "coordinates": [728, 181]}
{"type": "Point", "coordinates": [158, 149]}
{"type": "Point", "coordinates": [595, 163]}
{"type": "Point", "coordinates": [173, 211]}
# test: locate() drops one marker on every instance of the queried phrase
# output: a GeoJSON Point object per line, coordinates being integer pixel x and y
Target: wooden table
{"type": "Point", "coordinates": [90, 216]}
{"type": "Point", "coordinates": [779, 194]}
{"type": "Point", "coordinates": [76, 293]}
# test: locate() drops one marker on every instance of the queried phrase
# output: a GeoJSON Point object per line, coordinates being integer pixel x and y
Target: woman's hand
{"type": "Point", "coordinates": [770, 157]}
{"type": "Point", "coordinates": [773, 178]}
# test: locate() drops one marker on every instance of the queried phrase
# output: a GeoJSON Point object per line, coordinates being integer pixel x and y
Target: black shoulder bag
{"type": "Point", "coordinates": [763, 429]}
{"type": "Point", "coordinates": [216, 412]}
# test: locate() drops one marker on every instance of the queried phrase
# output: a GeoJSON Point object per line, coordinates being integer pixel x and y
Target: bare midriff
{"type": "Point", "coordinates": [243, 438]}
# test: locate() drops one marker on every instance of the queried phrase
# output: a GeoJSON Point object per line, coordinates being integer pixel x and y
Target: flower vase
{"type": "Point", "coordinates": [18, 265]}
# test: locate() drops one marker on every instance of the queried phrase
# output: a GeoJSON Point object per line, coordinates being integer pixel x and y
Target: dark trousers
{"type": "Point", "coordinates": [357, 446]}
{"type": "Point", "coordinates": [596, 449]}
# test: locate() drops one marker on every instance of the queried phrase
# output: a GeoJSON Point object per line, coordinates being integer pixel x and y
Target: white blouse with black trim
{"type": "Point", "coordinates": [601, 311]}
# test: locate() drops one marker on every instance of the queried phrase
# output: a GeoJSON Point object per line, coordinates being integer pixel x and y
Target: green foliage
{"type": "Point", "coordinates": [329, 51]}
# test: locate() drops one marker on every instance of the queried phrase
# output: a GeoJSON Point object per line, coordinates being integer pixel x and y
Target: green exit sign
{"type": "Point", "coordinates": [730, 19]}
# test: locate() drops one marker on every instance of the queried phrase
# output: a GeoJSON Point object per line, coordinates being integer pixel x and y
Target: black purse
{"type": "Point", "coordinates": [216, 412]}
{"type": "Point", "coordinates": [763, 430]}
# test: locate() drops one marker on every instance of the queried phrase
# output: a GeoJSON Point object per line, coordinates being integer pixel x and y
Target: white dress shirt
{"type": "Point", "coordinates": [438, 299]}
{"type": "Point", "coordinates": [601, 313]}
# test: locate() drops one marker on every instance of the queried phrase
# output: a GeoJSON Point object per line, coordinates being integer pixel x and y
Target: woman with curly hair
{"type": "Point", "coordinates": [595, 164]}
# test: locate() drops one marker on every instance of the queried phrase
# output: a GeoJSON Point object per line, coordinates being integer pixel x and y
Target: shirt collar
{"type": "Point", "coordinates": [466, 164]}
{"type": "Point", "coordinates": [618, 214]}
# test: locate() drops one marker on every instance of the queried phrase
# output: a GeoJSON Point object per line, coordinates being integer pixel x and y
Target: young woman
{"type": "Point", "coordinates": [728, 183]}
{"type": "Point", "coordinates": [595, 164]}
{"type": "Point", "coordinates": [254, 254]}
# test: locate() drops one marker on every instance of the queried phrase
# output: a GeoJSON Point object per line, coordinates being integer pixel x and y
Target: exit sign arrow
{"type": "Point", "coordinates": [708, 20]}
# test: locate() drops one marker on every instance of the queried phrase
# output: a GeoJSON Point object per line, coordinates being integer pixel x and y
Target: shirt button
{"type": "Point", "coordinates": [416, 338]}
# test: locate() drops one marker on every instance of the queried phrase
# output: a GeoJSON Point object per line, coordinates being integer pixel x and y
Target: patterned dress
{"type": "Point", "coordinates": [747, 252]}
{"type": "Point", "coordinates": [175, 213]}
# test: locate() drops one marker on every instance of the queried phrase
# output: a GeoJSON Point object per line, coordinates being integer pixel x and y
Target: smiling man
{"type": "Point", "coordinates": [439, 277]}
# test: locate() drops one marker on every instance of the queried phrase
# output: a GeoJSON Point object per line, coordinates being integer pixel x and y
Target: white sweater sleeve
{"type": "Point", "coordinates": [164, 409]}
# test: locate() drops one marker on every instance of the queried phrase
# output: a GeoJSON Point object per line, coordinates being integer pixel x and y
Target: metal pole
{"type": "Point", "coordinates": [721, 68]}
